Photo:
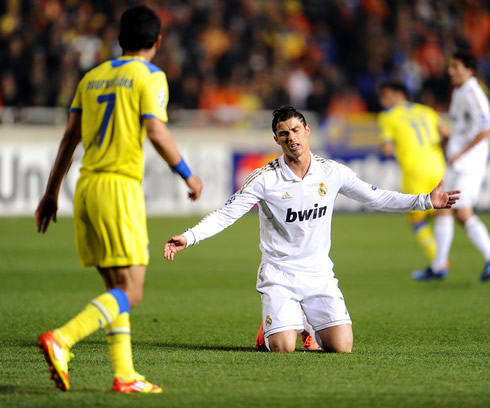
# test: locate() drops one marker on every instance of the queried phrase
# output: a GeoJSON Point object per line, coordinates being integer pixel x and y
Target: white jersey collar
{"type": "Point", "coordinates": [289, 174]}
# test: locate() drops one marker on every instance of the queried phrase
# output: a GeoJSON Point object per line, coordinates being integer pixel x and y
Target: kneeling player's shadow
{"type": "Point", "coordinates": [183, 346]}
{"type": "Point", "coordinates": [214, 347]}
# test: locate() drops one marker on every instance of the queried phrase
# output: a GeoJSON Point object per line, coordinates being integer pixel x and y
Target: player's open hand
{"type": "Point", "coordinates": [443, 199]}
{"type": "Point", "coordinates": [45, 212]}
{"type": "Point", "coordinates": [174, 245]}
{"type": "Point", "coordinates": [195, 184]}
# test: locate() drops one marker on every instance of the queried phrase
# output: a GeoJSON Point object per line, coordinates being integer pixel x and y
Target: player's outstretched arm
{"type": "Point", "coordinates": [443, 199]}
{"type": "Point", "coordinates": [48, 205]}
{"type": "Point", "coordinates": [174, 245]}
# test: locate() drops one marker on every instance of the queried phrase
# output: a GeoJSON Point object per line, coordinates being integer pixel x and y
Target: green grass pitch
{"type": "Point", "coordinates": [415, 344]}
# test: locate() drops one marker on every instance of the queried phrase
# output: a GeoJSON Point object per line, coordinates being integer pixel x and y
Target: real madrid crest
{"type": "Point", "coordinates": [268, 320]}
{"type": "Point", "coordinates": [322, 190]}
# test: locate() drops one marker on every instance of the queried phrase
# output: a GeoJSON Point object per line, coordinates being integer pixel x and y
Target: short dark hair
{"type": "Point", "coordinates": [394, 84]}
{"type": "Point", "coordinates": [467, 58]}
{"type": "Point", "coordinates": [286, 112]}
{"type": "Point", "coordinates": [140, 27]}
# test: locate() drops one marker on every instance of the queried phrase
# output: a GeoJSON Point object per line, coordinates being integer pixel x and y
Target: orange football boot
{"type": "Point", "coordinates": [137, 385]}
{"type": "Point", "coordinates": [57, 358]}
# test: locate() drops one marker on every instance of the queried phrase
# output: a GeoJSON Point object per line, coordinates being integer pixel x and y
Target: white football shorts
{"type": "Point", "coordinates": [469, 183]}
{"type": "Point", "coordinates": [285, 293]}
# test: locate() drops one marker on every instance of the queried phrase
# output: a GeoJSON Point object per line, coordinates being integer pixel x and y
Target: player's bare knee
{"type": "Point", "coordinates": [337, 339]}
{"type": "Point", "coordinates": [338, 347]}
{"type": "Point", "coordinates": [345, 347]}
{"type": "Point", "coordinates": [282, 348]}
{"type": "Point", "coordinates": [135, 296]}
{"type": "Point", "coordinates": [461, 219]}
{"type": "Point", "coordinates": [284, 342]}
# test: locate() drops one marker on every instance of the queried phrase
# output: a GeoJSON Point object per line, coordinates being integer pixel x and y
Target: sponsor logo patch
{"type": "Point", "coordinates": [305, 215]}
{"type": "Point", "coordinates": [161, 96]}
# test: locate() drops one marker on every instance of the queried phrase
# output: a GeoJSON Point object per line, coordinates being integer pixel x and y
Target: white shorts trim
{"type": "Point", "coordinates": [298, 329]}
{"type": "Point", "coordinates": [333, 324]}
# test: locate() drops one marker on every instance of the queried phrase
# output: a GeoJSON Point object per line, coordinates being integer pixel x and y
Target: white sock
{"type": "Point", "coordinates": [444, 233]}
{"type": "Point", "coordinates": [478, 234]}
{"type": "Point", "coordinates": [266, 339]}
{"type": "Point", "coordinates": [316, 336]}
{"type": "Point", "coordinates": [307, 326]}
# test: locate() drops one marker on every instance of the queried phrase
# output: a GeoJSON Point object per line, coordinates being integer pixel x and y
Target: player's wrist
{"type": "Point", "coordinates": [190, 238]}
{"type": "Point", "coordinates": [428, 202]}
{"type": "Point", "coordinates": [182, 169]}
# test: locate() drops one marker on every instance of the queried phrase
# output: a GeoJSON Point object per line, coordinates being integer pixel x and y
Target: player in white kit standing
{"type": "Point", "coordinates": [467, 154]}
{"type": "Point", "coordinates": [295, 194]}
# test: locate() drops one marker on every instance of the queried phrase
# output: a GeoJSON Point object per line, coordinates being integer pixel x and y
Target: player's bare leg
{"type": "Point", "coordinates": [283, 342]}
{"type": "Point", "coordinates": [336, 339]}
{"type": "Point", "coordinates": [130, 279]}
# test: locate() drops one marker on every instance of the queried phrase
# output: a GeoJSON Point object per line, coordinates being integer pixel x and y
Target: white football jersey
{"type": "Point", "coordinates": [296, 214]}
{"type": "Point", "coordinates": [469, 112]}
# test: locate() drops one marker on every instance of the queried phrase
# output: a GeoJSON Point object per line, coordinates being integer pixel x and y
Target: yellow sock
{"type": "Point", "coordinates": [119, 339]}
{"type": "Point", "coordinates": [100, 312]}
{"type": "Point", "coordinates": [425, 238]}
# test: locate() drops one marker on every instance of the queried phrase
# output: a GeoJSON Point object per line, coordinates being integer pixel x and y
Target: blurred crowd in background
{"type": "Point", "coordinates": [230, 57]}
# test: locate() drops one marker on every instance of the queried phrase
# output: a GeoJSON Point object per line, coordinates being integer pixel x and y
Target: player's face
{"type": "Point", "coordinates": [387, 98]}
{"type": "Point", "coordinates": [458, 73]}
{"type": "Point", "coordinates": [292, 136]}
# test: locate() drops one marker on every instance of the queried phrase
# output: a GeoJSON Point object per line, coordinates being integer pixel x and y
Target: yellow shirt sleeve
{"type": "Point", "coordinates": [76, 105]}
{"type": "Point", "coordinates": [154, 98]}
{"type": "Point", "coordinates": [386, 132]}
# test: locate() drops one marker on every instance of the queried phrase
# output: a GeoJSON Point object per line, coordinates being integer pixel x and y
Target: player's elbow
{"type": "Point", "coordinates": [155, 130]}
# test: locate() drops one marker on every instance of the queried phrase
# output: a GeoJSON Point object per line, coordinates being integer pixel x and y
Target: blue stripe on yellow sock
{"type": "Point", "coordinates": [419, 225]}
{"type": "Point", "coordinates": [122, 300]}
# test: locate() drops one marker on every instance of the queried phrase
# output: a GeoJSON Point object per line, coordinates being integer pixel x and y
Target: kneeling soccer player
{"type": "Point", "coordinates": [295, 194]}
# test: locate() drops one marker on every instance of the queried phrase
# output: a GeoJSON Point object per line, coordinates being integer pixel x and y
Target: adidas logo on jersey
{"type": "Point", "coordinates": [286, 196]}
{"type": "Point", "coordinates": [305, 215]}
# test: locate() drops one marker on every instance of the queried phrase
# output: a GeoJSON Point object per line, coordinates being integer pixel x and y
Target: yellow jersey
{"type": "Point", "coordinates": [413, 128]}
{"type": "Point", "coordinates": [113, 99]}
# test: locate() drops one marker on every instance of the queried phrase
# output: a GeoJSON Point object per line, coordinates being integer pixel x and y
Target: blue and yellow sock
{"type": "Point", "coordinates": [119, 338]}
{"type": "Point", "coordinates": [99, 313]}
{"type": "Point", "coordinates": [425, 238]}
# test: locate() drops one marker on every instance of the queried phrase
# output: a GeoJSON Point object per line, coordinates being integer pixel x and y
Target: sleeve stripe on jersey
{"type": "Point", "coordinates": [148, 116]}
{"type": "Point", "coordinates": [272, 165]}
{"type": "Point", "coordinates": [76, 110]}
{"type": "Point", "coordinates": [320, 159]}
